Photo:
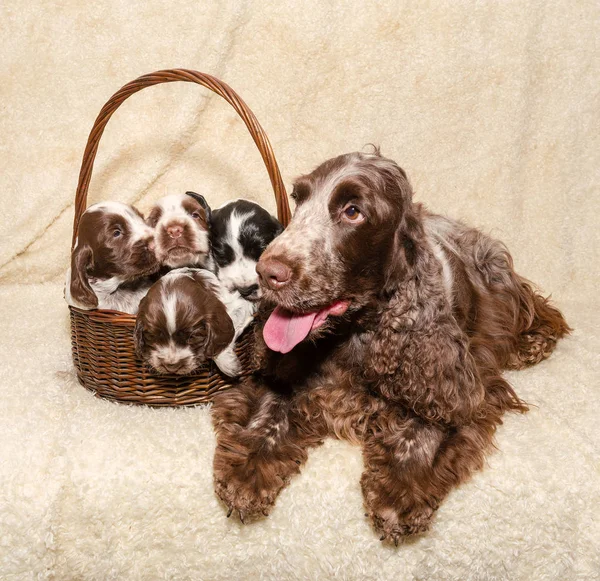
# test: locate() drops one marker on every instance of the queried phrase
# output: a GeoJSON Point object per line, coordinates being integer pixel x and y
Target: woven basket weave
{"type": "Point", "coordinates": [102, 341]}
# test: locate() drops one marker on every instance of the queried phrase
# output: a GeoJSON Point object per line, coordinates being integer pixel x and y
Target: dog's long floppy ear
{"type": "Point", "coordinates": [422, 361]}
{"type": "Point", "coordinates": [202, 201]}
{"type": "Point", "coordinates": [219, 333]}
{"type": "Point", "coordinates": [82, 258]}
{"type": "Point", "coordinates": [138, 332]}
{"type": "Point", "coordinates": [418, 355]}
{"type": "Point", "coordinates": [277, 227]}
{"type": "Point", "coordinates": [154, 216]}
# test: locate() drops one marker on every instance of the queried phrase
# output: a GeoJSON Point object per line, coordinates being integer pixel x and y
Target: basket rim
{"type": "Point", "coordinates": [168, 76]}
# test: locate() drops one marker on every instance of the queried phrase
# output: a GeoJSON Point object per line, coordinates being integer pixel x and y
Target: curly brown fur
{"type": "Point", "coordinates": [409, 366]}
{"type": "Point", "coordinates": [260, 446]}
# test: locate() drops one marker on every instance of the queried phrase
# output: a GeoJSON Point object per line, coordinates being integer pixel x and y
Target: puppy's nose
{"type": "Point", "coordinates": [274, 273]}
{"type": "Point", "coordinates": [173, 367]}
{"type": "Point", "coordinates": [246, 291]}
{"type": "Point", "coordinates": [175, 231]}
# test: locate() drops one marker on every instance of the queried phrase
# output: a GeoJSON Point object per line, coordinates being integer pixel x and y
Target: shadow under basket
{"type": "Point", "coordinates": [103, 346]}
{"type": "Point", "coordinates": [106, 363]}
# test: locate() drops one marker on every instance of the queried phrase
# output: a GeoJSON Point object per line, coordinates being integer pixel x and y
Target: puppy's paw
{"type": "Point", "coordinates": [227, 361]}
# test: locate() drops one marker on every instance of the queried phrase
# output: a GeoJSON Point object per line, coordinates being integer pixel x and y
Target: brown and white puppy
{"type": "Point", "coordinates": [113, 259]}
{"type": "Point", "coordinates": [183, 321]}
{"type": "Point", "coordinates": [181, 223]}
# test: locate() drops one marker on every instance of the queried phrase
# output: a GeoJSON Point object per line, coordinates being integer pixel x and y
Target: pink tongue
{"type": "Point", "coordinates": [284, 330]}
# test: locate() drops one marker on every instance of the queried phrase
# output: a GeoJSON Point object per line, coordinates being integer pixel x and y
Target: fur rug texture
{"type": "Point", "coordinates": [492, 109]}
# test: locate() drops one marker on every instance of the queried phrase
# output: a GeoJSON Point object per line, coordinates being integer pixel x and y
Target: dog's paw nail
{"type": "Point", "coordinates": [382, 538]}
{"type": "Point", "coordinates": [366, 514]}
{"type": "Point", "coordinates": [229, 512]}
{"type": "Point", "coordinates": [395, 540]}
{"type": "Point", "coordinates": [242, 517]}
{"type": "Point", "coordinates": [265, 512]}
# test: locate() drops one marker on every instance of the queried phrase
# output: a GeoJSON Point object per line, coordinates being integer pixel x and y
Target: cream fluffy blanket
{"type": "Point", "coordinates": [493, 110]}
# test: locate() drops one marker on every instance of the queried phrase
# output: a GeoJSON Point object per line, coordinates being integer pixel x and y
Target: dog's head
{"type": "Point", "coordinates": [352, 238]}
{"type": "Point", "coordinates": [113, 242]}
{"type": "Point", "coordinates": [181, 225]}
{"type": "Point", "coordinates": [240, 232]}
{"type": "Point", "coordinates": [181, 322]}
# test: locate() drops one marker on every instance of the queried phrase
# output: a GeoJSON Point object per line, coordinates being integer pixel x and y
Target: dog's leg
{"type": "Point", "coordinates": [520, 324]}
{"type": "Point", "coordinates": [412, 465]}
{"type": "Point", "coordinates": [541, 325]}
{"type": "Point", "coordinates": [260, 447]}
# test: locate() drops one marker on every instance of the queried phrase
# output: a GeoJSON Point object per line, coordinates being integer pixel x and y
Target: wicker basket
{"type": "Point", "coordinates": [102, 341]}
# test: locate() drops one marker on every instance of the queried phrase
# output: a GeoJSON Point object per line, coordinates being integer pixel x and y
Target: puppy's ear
{"type": "Point", "coordinates": [219, 333]}
{"type": "Point", "coordinates": [154, 216]}
{"type": "Point", "coordinates": [82, 258]}
{"type": "Point", "coordinates": [277, 227]}
{"type": "Point", "coordinates": [138, 332]}
{"type": "Point", "coordinates": [202, 201]}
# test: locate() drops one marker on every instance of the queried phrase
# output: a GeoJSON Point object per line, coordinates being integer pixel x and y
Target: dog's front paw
{"type": "Point", "coordinates": [394, 526]}
{"type": "Point", "coordinates": [393, 510]}
{"type": "Point", "coordinates": [250, 489]}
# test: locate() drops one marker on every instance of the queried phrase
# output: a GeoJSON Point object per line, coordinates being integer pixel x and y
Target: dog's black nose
{"type": "Point", "coordinates": [246, 291]}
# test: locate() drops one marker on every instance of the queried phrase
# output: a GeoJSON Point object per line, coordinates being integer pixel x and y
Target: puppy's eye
{"type": "Point", "coordinates": [181, 336]}
{"type": "Point", "coordinates": [196, 215]}
{"type": "Point", "coordinates": [294, 195]}
{"type": "Point", "coordinates": [117, 233]}
{"type": "Point", "coordinates": [352, 214]}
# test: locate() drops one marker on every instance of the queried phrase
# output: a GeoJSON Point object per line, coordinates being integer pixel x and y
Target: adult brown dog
{"type": "Point", "coordinates": [386, 325]}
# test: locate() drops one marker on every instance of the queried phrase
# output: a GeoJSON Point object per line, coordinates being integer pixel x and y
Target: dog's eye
{"type": "Point", "coordinates": [196, 215]}
{"type": "Point", "coordinates": [294, 195]}
{"type": "Point", "coordinates": [181, 336]}
{"type": "Point", "coordinates": [117, 233]}
{"type": "Point", "coordinates": [352, 214]}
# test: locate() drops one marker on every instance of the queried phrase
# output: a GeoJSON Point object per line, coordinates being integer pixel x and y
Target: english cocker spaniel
{"type": "Point", "coordinates": [386, 325]}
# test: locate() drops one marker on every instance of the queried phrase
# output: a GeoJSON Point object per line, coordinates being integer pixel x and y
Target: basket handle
{"type": "Point", "coordinates": [169, 76]}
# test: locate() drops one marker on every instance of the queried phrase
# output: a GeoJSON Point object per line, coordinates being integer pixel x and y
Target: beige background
{"type": "Point", "coordinates": [492, 108]}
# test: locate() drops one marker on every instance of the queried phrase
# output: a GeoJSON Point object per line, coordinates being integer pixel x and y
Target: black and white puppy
{"type": "Point", "coordinates": [186, 318]}
{"type": "Point", "coordinates": [113, 263]}
{"type": "Point", "coordinates": [181, 224]}
{"type": "Point", "coordinates": [239, 233]}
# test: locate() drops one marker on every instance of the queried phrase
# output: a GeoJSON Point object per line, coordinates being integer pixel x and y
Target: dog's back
{"type": "Point", "coordinates": [490, 300]}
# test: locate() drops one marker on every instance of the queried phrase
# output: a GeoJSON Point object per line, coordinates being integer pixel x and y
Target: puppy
{"type": "Point", "coordinates": [181, 223]}
{"type": "Point", "coordinates": [186, 319]}
{"type": "Point", "coordinates": [240, 231]}
{"type": "Point", "coordinates": [113, 259]}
